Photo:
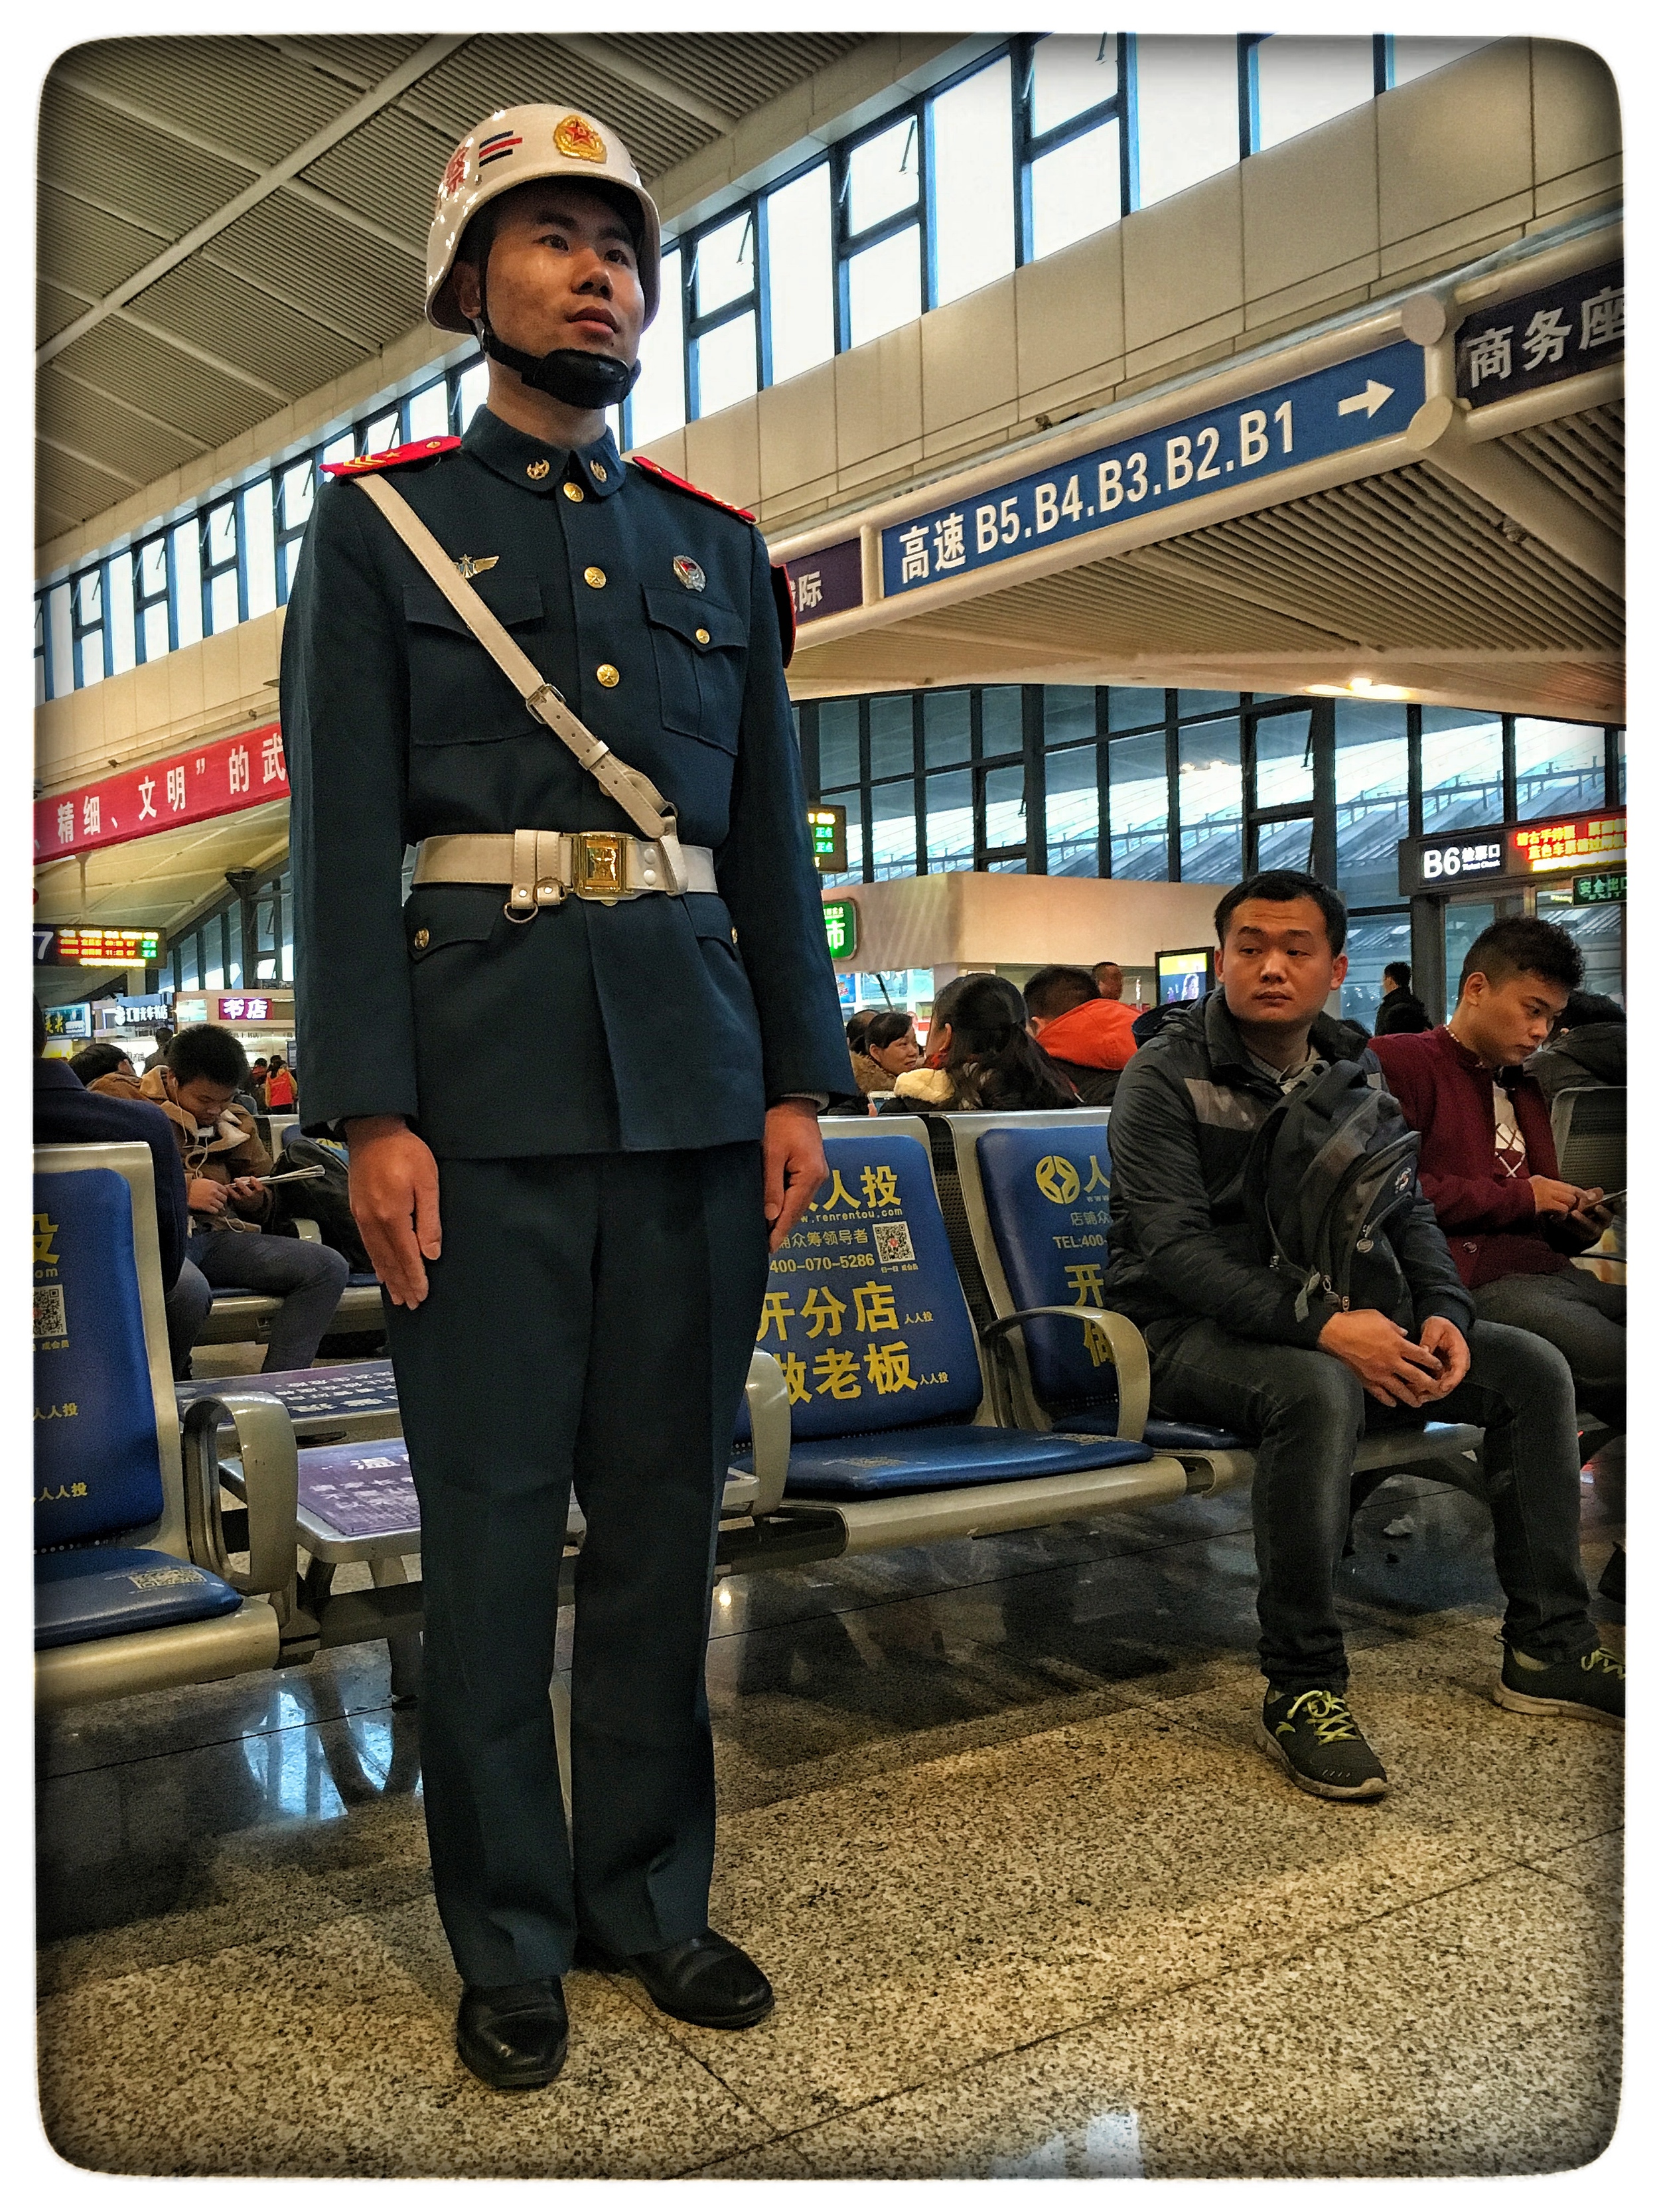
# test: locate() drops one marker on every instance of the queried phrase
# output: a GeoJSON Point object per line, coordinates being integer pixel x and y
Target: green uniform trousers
{"type": "Point", "coordinates": [590, 1322]}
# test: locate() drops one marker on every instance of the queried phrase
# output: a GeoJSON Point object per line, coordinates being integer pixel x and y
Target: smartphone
{"type": "Point", "coordinates": [1612, 1197]}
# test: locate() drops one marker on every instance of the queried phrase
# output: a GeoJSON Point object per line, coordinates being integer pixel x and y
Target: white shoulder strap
{"type": "Point", "coordinates": [634, 792]}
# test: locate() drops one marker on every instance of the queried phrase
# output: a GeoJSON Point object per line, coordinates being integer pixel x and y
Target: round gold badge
{"type": "Point", "coordinates": [538, 469]}
{"type": "Point", "coordinates": [608, 676]}
{"type": "Point", "coordinates": [702, 638]}
{"type": "Point", "coordinates": [595, 577]}
{"type": "Point", "coordinates": [577, 141]}
{"type": "Point", "coordinates": [571, 490]}
{"type": "Point", "coordinates": [423, 938]}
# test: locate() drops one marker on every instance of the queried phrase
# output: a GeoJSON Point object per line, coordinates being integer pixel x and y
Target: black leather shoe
{"type": "Point", "coordinates": [705, 1980]}
{"type": "Point", "coordinates": [514, 2037]}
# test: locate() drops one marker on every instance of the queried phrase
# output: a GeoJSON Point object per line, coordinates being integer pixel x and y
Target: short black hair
{"type": "Point", "coordinates": [1520, 945]}
{"type": "Point", "coordinates": [856, 1027]}
{"type": "Point", "coordinates": [884, 1029]}
{"type": "Point", "coordinates": [207, 1050]}
{"type": "Point", "coordinates": [1055, 991]}
{"type": "Point", "coordinates": [1400, 971]}
{"type": "Point", "coordinates": [1584, 1007]}
{"type": "Point", "coordinates": [1279, 886]}
{"type": "Point", "coordinates": [96, 1060]}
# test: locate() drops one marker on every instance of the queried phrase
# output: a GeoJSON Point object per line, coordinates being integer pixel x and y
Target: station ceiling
{"type": "Point", "coordinates": [228, 223]}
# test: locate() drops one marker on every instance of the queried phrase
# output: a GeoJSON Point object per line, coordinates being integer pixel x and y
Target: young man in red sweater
{"type": "Point", "coordinates": [1488, 1165]}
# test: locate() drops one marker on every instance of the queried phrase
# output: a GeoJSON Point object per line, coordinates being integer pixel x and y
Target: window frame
{"type": "Point", "coordinates": [1030, 145]}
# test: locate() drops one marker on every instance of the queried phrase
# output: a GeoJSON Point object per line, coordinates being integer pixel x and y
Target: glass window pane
{"type": "Point", "coordinates": [298, 489]}
{"type": "Point", "coordinates": [153, 568]}
{"type": "Point", "coordinates": [1069, 75]}
{"type": "Point", "coordinates": [1076, 189]}
{"type": "Point", "coordinates": [1412, 57]}
{"type": "Point", "coordinates": [1127, 708]}
{"type": "Point", "coordinates": [891, 750]}
{"type": "Point", "coordinates": [1372, 814]}
{"type": "Point", "coordinates": [221, 534]}
{"type": "Point", "coordinates": [801, 274]}
{"type": "Point", "coordinates": [1206, 703]}
{"type": "Point", "coordinates": [1374, 941]}
{"type": "Point", "coordinates": [234, 948]}
{"type": "Point", "coordinates": [261, 548]}
{"type": "Point", "coordinates": [1001, 720]}
{"type": "Point", "coordinates": [1005, 811]}
{"type": "Point", "coordinates": [213, 954]}
{"type": "Point", "coordinates": [1068, 712]}
{"type": "Point", "coordinates": [946, 731]}
{"type": "Point", "coordinates": [972, 195]}
{"type": "Point", "coordinates": [725, 264]}
{"type": "Point", "coordinates": [343, 448]}
{"type": "Point", "coordinates": [1073, 812]}
{"type": "Point", "coordinates": [224, 611]}
{"type": "Point", "coordinates": [470, 391]}
{"type": "Point", "coordinates": [854, 874]}
{"type": "Point", "coordinates": [838, 744]}
{"type": "Point", "coordinates": [1559, 768]}
{"type": "Point", "coordinates": [726, 365]}
{"type": "Point", "coordinates": [63, 641]}
{"type": "Point", "coordinates": [951, 821]}
{"type": "Point", "coordinates": [1599, 932]}
{"type": "Point", "coordinates": [893, 829]}
{"type": "Point", "coordinates": [154, 631]}
{"type": "Point", "coordinates": [1210, 791]}
{"type": "Point", "coordinates": [1139, 798]}
{"type": "Point", "coordinates": [120, 613]}
{"type": "Point", "coordinates": [883, 286]}
{"type": "Point", "coordinates": [1301, 82]}
{"type": "Point", "coordinates": [657, 404]}
{"type": "Point", "coordinates": [1187, 97]}
{"type": "Point", "coordinates": [882, 176]}
{"type": "Point", "coordinates": [187, 581]}
{"type": "Point", "coordinates": [428, 412]}
{"type": "Point", "coordinates": [189, 959]}
{"type": "Point", "coordinates": [1462, 768]}
{"type": "Point", "coordinates": [1285, 845]}
{"type": "Point", "coordinates": [383, 433]}
{"type": "Point", "coordinates": [1283, 759]}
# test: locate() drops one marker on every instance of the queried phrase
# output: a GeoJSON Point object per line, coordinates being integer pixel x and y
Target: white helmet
{"type": "Point", "coordinates": [512, 147]}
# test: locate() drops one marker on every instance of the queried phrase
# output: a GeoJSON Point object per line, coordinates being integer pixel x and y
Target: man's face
{"type": "Point", "coordinates": [1276, 968]}
{"type": "Point", "coordinates": [202, 1100]}
{"type": "Point", "coordinates": [563, 274]}
{"type": "Point", "coordinates": [1503, 1022]}
{"type": "Point", "coordinates": [1108, 980]}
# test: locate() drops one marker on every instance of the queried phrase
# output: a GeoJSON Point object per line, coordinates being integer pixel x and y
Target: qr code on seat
{"type": "Point", "coordinates": [892, 1241]}
{"type": "Point", "coordinates": [49, 1319]}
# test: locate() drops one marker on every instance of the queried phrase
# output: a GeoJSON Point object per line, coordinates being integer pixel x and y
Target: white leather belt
{"type": "Point", "coordinates": [541, 867]}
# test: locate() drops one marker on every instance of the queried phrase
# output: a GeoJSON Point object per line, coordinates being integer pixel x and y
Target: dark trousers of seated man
{"type": "Point", "coordinates": [1583, 1318]}
{"type": "Point", "coordinates": [1308, 1412]}
{"type": "Point", "coordinates": [308, 1278]}
{"type": "Point", "coordinates": [589, 1323]}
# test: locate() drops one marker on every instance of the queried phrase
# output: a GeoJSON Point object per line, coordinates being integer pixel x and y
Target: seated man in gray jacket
{"type": "Point", "coordinates": [1228, 1347]}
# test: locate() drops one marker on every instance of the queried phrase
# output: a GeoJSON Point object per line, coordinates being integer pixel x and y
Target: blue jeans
{"type": "Point", "coordinates": [1306, 1413]}
{"type": "Point", "coordinates": [308, 1278]}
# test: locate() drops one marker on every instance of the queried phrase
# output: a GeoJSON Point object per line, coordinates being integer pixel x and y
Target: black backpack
{"type": "Point", "coordinates": [1325, 1171]}
{"type": "Point", "coordinates": [327, 1202]}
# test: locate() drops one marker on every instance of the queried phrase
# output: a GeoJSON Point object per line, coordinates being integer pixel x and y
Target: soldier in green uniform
{"type": "Point", "coordinates": [579, 1069]}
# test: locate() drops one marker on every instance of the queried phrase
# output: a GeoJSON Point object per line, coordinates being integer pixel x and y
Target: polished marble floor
{"type": "Point", "coordinates": [993, 1821]}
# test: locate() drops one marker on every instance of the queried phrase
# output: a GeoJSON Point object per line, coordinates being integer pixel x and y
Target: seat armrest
{"type": "Point", "coordinates": [270, 1485]}
{"type": "Point", "coordinates": [1124, 1342]}
{"type": "Point", "coordinates": [307, 1228]}
{"type": "Point", "coordinates": [768, 1421]}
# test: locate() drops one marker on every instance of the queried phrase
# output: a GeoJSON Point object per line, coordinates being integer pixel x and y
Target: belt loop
{"type": "Point", "coordinates": [521, 901]}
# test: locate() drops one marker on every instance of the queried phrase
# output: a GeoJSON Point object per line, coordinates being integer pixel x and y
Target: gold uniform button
{"type": "Point", "coordinates": [538, 469]}
{"type": "Point", "coordinates": [608, 676]}
{"type": "Point", "coordinates": [423, 938]}
{"type": "Point", "coordinates": [599, 471]}
{"type": "Point", "coordinates": [571, 490]}
{"type": "Point", "coordinates": [595, 577]}
{"type": "Point", "coordinates": [702, 638]}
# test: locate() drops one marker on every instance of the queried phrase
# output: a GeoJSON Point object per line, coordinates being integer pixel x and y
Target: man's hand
{"type": "Point", "coordinates": [1590, 1214]}
{"type": "Point", "coordinates": [1394, 1370]}
{"type": "Point", "coordinates": [1549, 1196]}
{"type": "Point", "coordinates": [1448, 1344]}
{"type": "Point", "coordinates": [206, 1196]}
{"type": "Point", "coordinates": [394, 1202]}
{"type": "Point", "coordinates": [791, 1154]}
{"type": "Point", "coordinates": [248, 1190]}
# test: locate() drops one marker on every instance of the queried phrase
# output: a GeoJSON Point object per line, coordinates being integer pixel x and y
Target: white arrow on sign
{"type": "Point", "coordinates": [1374, 396]}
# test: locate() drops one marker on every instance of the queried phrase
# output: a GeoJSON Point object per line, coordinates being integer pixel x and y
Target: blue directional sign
{"type": "Point", "coordinates": [1330, 411]}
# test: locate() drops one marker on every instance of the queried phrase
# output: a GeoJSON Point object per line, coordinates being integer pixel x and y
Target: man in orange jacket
{"type": "Point", "coordinates": [1089, 1038]}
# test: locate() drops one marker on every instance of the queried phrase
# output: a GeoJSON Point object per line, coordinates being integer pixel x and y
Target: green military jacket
{"type": "Point", "coordinates": [656, 1023]}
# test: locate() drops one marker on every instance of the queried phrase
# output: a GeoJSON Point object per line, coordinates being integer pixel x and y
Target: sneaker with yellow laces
{"type": "Point", "coordinates": [1314, 1737]}
{"type": "Point", "coordinates": [1589, 1688]}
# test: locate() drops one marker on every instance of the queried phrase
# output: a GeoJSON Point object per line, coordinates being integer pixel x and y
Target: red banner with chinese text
{"type": "Point", "coordinates": [222, 777]}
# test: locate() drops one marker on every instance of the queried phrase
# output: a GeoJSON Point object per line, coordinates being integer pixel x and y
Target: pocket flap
{"type": "Point", "coordinates": [512, 600]}
{"type": "Point", "coordinates": [470, 918]}
{"type": "Point", "coordinates": [706, 626]}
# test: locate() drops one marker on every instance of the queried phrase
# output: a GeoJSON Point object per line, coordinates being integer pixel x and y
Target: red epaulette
{"type": "Point", "coordinates": [395, 456]}
{"type": "Point", "coordinates": [656, 469]}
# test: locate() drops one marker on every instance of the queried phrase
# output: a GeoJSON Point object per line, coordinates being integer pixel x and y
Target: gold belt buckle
{"type": "Point", "coordinates": [595, 866]}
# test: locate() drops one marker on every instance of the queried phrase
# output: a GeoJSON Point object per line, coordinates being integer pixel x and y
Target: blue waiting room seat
{"type": "Point", "coordinates": [241, 1315]}
{"type": "Point", "coordinates": [1036, 1191]}
{"type": "Point", "coordinates": [893, 1429]}
{"type": "Point", "coordinates": [136, 1587]}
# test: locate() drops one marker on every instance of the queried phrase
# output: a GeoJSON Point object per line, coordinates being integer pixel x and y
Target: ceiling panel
{"type": "Point", "coordinates": [249, 328]}
{"type": "Point", "coordinates": [130, 167]}
{"type": "Point", "coordinates": [94, 250]}
{"type": "Point", "coordinates": [106, 430]}
{"type": "Point", "coordinates": [237, 92]}
{"type": "Point", "coordinates": [117, 357]}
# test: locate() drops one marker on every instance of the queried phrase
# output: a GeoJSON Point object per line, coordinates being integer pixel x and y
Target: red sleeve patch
{"type": "Point", "coordinates": [423, 449]}
{"type": "Point", "coordinates": [656, 469]}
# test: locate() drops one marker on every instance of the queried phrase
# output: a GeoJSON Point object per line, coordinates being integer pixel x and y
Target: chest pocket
{"type": "Point", "coordinates": [701, 652]}
{"type": "Point", "coordinates": [456, 694]}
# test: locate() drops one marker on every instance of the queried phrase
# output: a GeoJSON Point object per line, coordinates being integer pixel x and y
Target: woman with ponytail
{"type": "Point", "coordinates": [982, 1058]}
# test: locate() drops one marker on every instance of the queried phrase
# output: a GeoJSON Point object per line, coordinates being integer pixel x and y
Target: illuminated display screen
{"type": "Point", "coordinates": [827, 826]}
{"type": "Point", "coordinates": [1607, 889]}
{"type": "Point", "coordinates": [1539, 847]}
{"type": "Point", "coordinates": [1183, 975]}
{"type": "Point", "coordinates": [841, 927]}
{"type": "Point", "coordinates": [108, 948]}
